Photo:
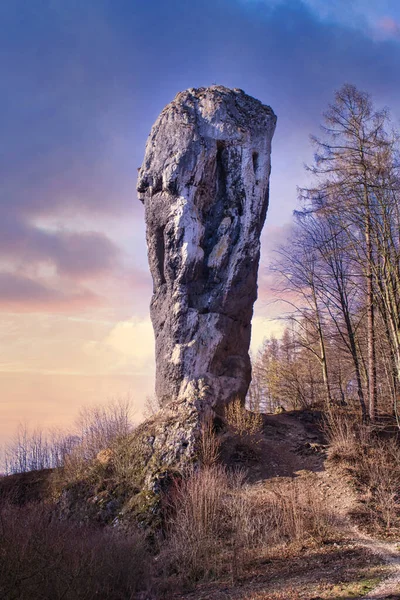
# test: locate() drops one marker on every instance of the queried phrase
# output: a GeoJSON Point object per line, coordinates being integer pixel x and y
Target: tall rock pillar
{"type": "Point", "coordinates": [204, 183]}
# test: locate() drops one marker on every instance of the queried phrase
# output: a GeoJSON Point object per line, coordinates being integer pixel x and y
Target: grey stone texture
{"type": "Point", "coordinates": [204, 183]}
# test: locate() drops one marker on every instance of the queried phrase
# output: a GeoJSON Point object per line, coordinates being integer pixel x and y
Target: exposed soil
{"type": "Point", "coordinates": [291, 442]}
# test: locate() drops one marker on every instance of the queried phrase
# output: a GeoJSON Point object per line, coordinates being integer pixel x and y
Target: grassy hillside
{"type": "Point", "coordinates": [284, 506]}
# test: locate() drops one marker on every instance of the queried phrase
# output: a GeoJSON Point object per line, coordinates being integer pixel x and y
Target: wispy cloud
{"type": "Point", "coordinates": [21, 294]}
{"type": "Point", "coordinates": [389, 27]}
{"type": "Point", "coordinates": [74, 254]}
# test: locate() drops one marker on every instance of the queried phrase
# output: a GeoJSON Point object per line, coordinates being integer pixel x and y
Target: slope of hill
{"type": "Point", "coordinates": [289, 524]}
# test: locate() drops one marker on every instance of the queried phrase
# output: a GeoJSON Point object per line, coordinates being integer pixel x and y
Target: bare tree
{"type": "Point", "coordinates": [354, 137]}
{"type": "Point", "coordinates": [96, 429]}
{"type": "Point", "coordinates": [99, 425]}
{"type": "Point", "coordinates": [341, 268]}
{"type": "Point", "coordinates": [298, 266]}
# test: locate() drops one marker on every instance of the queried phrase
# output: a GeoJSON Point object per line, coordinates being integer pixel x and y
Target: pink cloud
{"type": "Point", "coordinates": [389, 26]}
{"type": "Point", "coordinates": [21, 294]}
{"type": "Point", "coordinates": [273, 237]}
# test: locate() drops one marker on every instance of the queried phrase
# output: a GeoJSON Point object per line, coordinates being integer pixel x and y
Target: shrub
{"type": "Point", "coordinates": [378, 476]}
{"type": "Point", "coordinates": [374, 464]}
{"type": "Point", "coordinates": [41, 557]}
{"type": "Point", "coordinates": [346, 435]}
{"type": "Point", "coordinates": [97, 427]}
{"type": "Point", "coordinates": [242, 421]}
{"type": "Point", "coordinates": [298, 513]}
{"type": "Point", "coordinates": [194, 529]}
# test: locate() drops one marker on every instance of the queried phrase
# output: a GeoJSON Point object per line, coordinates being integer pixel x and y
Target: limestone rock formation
{"type": "Point", "coordinates": [204, 183]}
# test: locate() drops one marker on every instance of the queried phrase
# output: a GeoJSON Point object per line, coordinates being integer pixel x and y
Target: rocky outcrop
{"type": "Point", "coordinates": [124, 483]}
{"type": "Point", "coordinates": [204, 184]}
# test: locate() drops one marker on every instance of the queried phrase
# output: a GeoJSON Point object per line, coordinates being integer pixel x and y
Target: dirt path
{"type": "Point", "coordinates": [345, 567]}
{"type": "Point", "coordinates": [293, 447]}
{"type": "Point", "coordinates": [389, 553]}
{"type": "Point", "coordinates": [342, 500]}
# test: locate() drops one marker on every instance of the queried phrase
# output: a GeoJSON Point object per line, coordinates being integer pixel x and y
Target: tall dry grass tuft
{"type": "Point", "coordinates": [209, 443]}
{"type": "Point", "coordinates": [218, 523]}
{"type": "Point", "coordinates": [298, 512]}
{"type": "Point", "coordinates": [242, 421]}
{"type": "Point", "coordinates": [347, 436]}
{"type": "Point", "coordinates": [194, 530]}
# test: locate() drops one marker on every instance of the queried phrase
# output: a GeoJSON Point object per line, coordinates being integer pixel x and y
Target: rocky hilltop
{"type": "Point", "coordinates": [205, 185]}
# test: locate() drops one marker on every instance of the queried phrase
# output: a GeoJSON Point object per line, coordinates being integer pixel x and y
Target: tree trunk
{"type": "Point", "coordinates": [372, 392]}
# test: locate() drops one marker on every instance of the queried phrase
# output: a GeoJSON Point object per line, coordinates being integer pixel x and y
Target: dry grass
{"type": "Point", "coordinates": [378, 476]}
{"type": "Point", "coordinates": [374, 462]}
{"type": "Point", "coordinates": [242, 421]}
{"type": "Point", "coordinates": [209, 444]}
{"type": "Point", "coordinates": [193, 544]}
{"type": "Point", "coordinates": [41, 557]}
{"type": "Point", "coordinates": [218, 528]}
{"type": "Point", "coordinates": [347, 436]}
{"type": "Point", "coordinates": [299, 513]}
{"type": "Point", "coordinates": [121, 463]}
{"type": "Point", "coordinates": [218, 524]}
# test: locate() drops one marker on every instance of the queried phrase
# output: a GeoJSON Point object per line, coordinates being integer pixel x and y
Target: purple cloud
{"type": "Point", "coordinates": [389, 27]}
{"type": "Point", "coordinates": [78, 255]}
{"type": "Point", "coordinates": [81, 100]}
{"type": "Point", "coordinates": [18, 293]}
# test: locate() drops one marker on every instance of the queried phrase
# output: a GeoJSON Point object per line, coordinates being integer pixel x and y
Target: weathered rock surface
{"type": "Point", "coordinates": [204, 183]}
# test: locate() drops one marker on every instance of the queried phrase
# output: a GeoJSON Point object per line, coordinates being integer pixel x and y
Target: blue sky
{"type": "Point", "coordinates": [82, 83]}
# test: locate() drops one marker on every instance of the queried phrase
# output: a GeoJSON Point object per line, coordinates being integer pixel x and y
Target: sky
{"type": "Point", "coordinates": [82, 83]}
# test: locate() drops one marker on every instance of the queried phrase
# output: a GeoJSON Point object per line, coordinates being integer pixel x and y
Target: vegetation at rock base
{"type": "Point", "coordinates": [220, 529]}
{"type": "Point", "coordinates": [295, 496]}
